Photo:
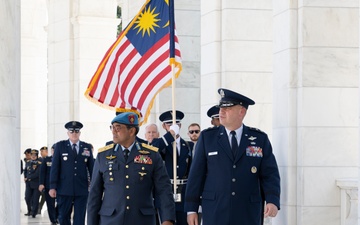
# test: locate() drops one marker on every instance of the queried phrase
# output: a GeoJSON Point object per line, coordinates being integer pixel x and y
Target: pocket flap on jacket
{"type": "Point", "coordinates": [208, 195]}
{"type": "Point", "coordinates": [147, 211]}
{"type": "Point", "coordinates": [106, 211]}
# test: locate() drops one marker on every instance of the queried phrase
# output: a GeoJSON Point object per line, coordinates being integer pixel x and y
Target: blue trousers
{"type": "Point", "coordinates": [65, 204]}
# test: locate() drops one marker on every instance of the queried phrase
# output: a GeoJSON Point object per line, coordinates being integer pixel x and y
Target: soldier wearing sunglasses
{"type": "Point", "coordinates": [194, 132]}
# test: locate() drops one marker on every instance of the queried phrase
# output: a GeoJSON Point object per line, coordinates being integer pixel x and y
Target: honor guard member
{"type": "Point", "coordinates": [234, 170]}
{"type": "Point", "coordinates": [127, 176]}
{"type": "Point", "coordinates": [32, 193]}
{"type": "Point", "coordinates": [71, 164]}
{"type": "Point", "coordinates": [213, 113]}
{"type": "Point", "coordinates": [44, 185]}
{"type": "Point", "coordinates": [184, 151]}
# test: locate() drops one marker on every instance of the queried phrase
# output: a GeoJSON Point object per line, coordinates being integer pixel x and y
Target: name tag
{"type": "Point", "coordinates": [212, 153]}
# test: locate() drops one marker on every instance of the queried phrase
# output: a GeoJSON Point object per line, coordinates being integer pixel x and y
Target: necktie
{"type": "Point", "coordinates": [126, 153]}
{"type": "Point", "coordinates": [74, 148]}
{"type": "Point", "coordinates": [234, 143]}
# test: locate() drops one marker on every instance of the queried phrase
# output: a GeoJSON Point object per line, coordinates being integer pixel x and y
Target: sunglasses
{"type": "Point", "coordinates": [194, 131]}
{"type": "Point", "coordinates": [74, 131]}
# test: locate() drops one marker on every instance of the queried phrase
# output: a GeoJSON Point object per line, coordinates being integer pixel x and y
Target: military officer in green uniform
{"type": "Point", "coordinates": [127, 176]}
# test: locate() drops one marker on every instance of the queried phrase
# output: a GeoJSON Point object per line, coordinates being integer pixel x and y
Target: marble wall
{"type": "Point", "coordinates": [315, 106]}
{"type": "Point", "coordinates": [10, 112]}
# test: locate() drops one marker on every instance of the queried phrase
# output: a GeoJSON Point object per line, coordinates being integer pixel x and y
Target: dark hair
{"type": "Point", "coordinates": [136, 128]}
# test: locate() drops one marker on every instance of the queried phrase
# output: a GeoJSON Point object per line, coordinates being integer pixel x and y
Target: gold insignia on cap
{"type": "Point", "coordinates": [222, 94]}
{"type": "Point", "coordinates": [253, 169]}
{"type": "Point", "coordinates": [131, 119]}
{"type": "Point", "coordinates": [73, 123]}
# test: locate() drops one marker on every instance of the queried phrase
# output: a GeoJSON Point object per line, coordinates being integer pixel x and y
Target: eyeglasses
{"type": "Point", "coordinates": [74, 131]}
{"type": "Point", "coordinates": [115, 128]}
{"type": "Point", "coordinates": [194, 131]}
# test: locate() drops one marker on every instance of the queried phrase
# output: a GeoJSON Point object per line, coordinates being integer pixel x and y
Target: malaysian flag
{"type": "Point", "coordinates": [139, 64]}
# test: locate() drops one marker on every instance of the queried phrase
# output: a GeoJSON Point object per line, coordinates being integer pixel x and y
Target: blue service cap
{"type": "Point", "coordinates": [127, 118]}
{"type": "Point", "coordinates": [73, 125]}
{"type": "Point", "coordinates": [167, 116]}
{"type": "Point", "coordinates": [34, 151]}
{"type": "Point", "coordinates": [28, 150]}
{"type": "Point", "coordinates": [231, 98]}
{"type": "Point", "coordinates": [213, 112]}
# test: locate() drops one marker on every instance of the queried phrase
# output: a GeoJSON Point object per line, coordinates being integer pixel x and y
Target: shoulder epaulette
{"type": "Point", "coordinates": [210, 129]}
{"type": "Point", "coordinates": [257, 130]}
{"type": "Point", "coordinates": [150, 147]}
{"type": "Point", "coordinates": [105, 148]}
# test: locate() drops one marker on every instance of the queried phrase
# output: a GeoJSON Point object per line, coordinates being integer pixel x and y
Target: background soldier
{"type": "Point", "coordinates": [32, 194]}
{"type": "Point", "coordinates": [44, 186]}
{"type": "Point", "coordinates": [72, 162]}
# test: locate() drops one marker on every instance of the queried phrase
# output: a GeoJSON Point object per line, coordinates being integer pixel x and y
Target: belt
{"type": "Point", "coordinates": [179, 181]}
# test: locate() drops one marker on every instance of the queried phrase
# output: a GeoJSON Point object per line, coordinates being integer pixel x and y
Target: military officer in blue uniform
{"type": "Point", "coordinates": [27, 160]}
{"type": "Point", "coordinates": [127, 176]}
{"type": "Point", "coordinates": [72, 162]}
{"type": "Point", "coordinates": [234, 170]}
{"type": "Point", "coordinates": [213, 113]}
{"type": "Point", "coordinates": [184, 151]}
{"type": "Point", "coordinates": [44, 185]}
{"type": "Point", "coordinates": [32, 194]}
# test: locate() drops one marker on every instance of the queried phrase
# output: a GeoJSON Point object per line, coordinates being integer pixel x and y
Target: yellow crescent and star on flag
{"type": "Point", "coordinates": [145, 32]}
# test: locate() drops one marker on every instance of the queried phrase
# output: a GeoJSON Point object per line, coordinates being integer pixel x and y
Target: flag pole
{"type": "Point", "coordinates": [174, 143]}
{"type": "Point", "coordinates": [177, 197]}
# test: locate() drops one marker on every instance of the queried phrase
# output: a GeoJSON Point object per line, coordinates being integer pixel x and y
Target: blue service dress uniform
{"type": "Point", "coordinates": [45, 180]}
{"type": "Point", "coordinates": [184, 160]}
{"type": "Point", "coordinates": [69, 177]}
{"type": "Point", "coordinates": [122, 191]}
{"type": "Point", "coordinates": [233, 190]}
{"type": "Point", "coordinates": [32, 193]}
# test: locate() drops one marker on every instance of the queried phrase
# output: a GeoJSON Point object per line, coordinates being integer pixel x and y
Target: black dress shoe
{"type": "Point", "coordinates": [27, 214]}
{"type": "Point", "coordinates": [33, 216]}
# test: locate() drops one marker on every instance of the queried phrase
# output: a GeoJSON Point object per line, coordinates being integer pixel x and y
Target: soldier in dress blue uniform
{"type": "Point", "coordinates": [71, 164]}
{"type": "Point", "coordinates": [44, 186]}
{"type": "Point", "coordinates": [27, 160]}
{"type": "Point", "coordinates": [32, 194]}
{"type": "Point", "coordinates": [127, 176]}
{"type": "Point", "coordinates": [184, 157]}
{"type": "Point", "coordinates": [213, 113]}
{"type": "Point", "coordinates": [234, 170]}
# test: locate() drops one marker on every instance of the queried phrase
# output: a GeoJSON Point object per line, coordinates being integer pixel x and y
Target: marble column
{"type": "Point", "coordinates": [10, 111]}
{"type": "Point", "coordinates": [236, 53]}
{"type": "Point", "coordinates": [80, 33]}
{"type": "Point", "coordinates": [316, 55]}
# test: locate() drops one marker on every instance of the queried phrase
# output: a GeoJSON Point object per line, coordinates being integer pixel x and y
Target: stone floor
{"type": "Point", "coordinates": [42, 219]}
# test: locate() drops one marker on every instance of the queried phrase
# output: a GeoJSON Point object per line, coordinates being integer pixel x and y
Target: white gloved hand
{"type": "Point", "coordinates": [175, 128]}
